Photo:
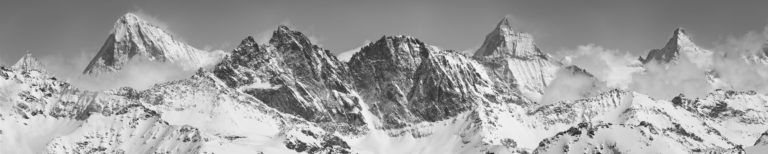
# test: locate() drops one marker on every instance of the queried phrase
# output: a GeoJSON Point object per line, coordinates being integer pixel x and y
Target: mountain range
{"type": "Point", "coordinates": [396, 95]}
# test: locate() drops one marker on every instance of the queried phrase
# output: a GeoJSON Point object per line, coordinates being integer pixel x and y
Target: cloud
{"type": "Point", "coordinates": [613, 67]}
{"type": "Point", "coordinates": [738, 65]}
{"type": "Point", "coordinates": [622, 70]}
{"type": "Point", "coordinates": [138, 73]}
{"type": "Point", "coordinates": [750, 43]}
{"type": "Point", "coordinates": [345, 56]}
{"type": "Point", "coordinates": [735, 73]}
{"type": "Point", "coordinates": [8, 89]}
{"type": "Point", "coordinates": [66, 65]}
{"type": "Point", "coordinates": [209, 59]}
{"type": "Point", "coordinates": [149, 18]}
{"type": "Point", "coordinates": [665, 81]}
{"type": "Point", "coordinates": [570, 84]}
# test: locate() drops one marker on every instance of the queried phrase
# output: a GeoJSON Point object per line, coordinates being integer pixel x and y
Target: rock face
{"type": "Point", "coordinates": [135, 39]}
{"type": "Point", "coordinates": [446, 84]}
{"type": "Point", "coordinates": [680, 43]}
{"type": "Point", "coordinates": [383, 74]}
{"type": "Point", "coordinates": [763, 140]}
{"type": "Point", "coordinates": [515, 63]}
{"type": "Point", "coordinates": [294, 76]}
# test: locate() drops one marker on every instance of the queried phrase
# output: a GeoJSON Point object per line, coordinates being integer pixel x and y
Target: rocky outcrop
{"type": "Point", "coordinates": [294, 76]}
{"type": "Point", "coordinates": [383, 73]}
{"type": "Point", "coordinates": [446, 84]}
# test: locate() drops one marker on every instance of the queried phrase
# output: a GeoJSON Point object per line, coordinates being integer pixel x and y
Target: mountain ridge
{"type": "Point", "coordinates": [398, 93]}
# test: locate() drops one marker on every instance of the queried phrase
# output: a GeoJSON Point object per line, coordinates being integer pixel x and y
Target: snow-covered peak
{"type": "Point", "coordinates": [505, 24]}
{"type": "Point", "coordinates": [680, 42]}
{"type": "Point", "coordinates": [28, 63]}
{"type": "Point", "coordinates": [134, 37]}
{"type": "Point", "coordinates": [129, 19]}
{"type": "Point", "coordinates": [504, 41]}
{"type": "Point", "coordinates": [130, 24]}
{"type": "Point", "coordinates": [680, 39]}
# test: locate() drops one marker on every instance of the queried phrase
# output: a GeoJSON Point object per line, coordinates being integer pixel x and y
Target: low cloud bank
{"type": "Point", "coordinates": [570, 84]}
{"type": "Point", "coordinates": [138, 73]}
{"type": "Point", "coordinates": [613, 67]}
{"type": "Point", "coordinates": [665, 81]}
{"type": "Point", "coordinates": [742, 62]}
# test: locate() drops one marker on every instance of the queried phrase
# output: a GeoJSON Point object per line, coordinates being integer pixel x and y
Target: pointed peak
{"type": "Point", "coordinates": [28, 62]}
{"type": "Point", "coordinates": [679, 31]}
{"type": "Point", "coordinates": [283, 28]}
{"type": "Point", "coordinates": [130, 15]}
{"type": "Point", "coordinates": [670, 51]}
{"type": "Point", "coordinates": [679, 38]}
{"type": "Point", "coordinates": [248, 41]}
{"type": "Point", "coordinates": [504, 41]}
{"type": "Point", "coordinates": [506, 23]}
{"type": "Point", "coordinates": [129, 18]}
{"type": "Point", "coordinates": [285, 36]}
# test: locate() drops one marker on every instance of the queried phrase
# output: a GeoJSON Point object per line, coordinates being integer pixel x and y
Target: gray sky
{"type": "Point", "coordinates": [49, 28]}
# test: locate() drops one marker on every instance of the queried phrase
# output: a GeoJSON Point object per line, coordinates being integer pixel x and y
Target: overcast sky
{"type": "Point", "coordinates": [46, 28]}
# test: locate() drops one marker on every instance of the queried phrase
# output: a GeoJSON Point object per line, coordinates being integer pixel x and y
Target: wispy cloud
{"type": "Point", "coordinates": [665, 81]}
{"type": "Point", "coordinates": [732, 66]}
{"type": "Point", "coordinates": [611, 66]}
{"type": "Point", "coordinates": [345, 56]}
{"type": "Point", "coordinates": [622, 70]}
{"type": "Point", "coordinates": [570, 85]}
{"type": "Point", "coordinates": [149, 18]}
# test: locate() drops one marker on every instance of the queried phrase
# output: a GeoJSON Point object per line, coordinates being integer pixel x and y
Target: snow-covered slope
{"type": "Point", "coordinates": [134, 39]}
{"type": "Point", "coordinates": [68, 120]}
{"type": "Point", "coordinates": [724, 121]}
